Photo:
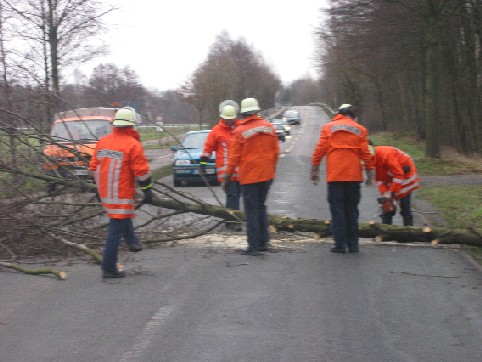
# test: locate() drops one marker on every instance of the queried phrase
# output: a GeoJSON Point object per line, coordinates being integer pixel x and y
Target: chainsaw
{"type": "Point", "coordinates": [388, 204]}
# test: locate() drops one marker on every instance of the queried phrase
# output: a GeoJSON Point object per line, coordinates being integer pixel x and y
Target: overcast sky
{"type": "Point", "coordinates": [165, 41]}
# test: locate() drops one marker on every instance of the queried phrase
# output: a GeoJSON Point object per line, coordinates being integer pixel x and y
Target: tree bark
{"type": "Point", "coordinates": [431, 124]}
{"type": "Point", "coordinates": [379, 232]}
{"type": "Point", "coordinates": [60, 275]}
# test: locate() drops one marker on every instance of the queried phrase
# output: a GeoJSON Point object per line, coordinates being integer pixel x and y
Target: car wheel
{"type": "Point", "coordinates": [177, 183]}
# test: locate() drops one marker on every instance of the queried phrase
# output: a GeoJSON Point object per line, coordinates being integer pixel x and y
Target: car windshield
{"type": "Point", "coordinates": [194, 140]}
{"type": "Point", "coordinates": [85, 130]}
{"type": "Point", "coordinates": [291, 114]}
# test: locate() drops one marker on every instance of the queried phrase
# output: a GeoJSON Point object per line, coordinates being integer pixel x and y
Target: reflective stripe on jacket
{"type": "Point", "coordinates": [116, 163]}
{"type": "Point", "coordinates": [255, 149]}
{"type": "Point", "coordinates": [344, 143]}
{"type": "Point", "coordinates": [390, 176]}
{"type": "Point", "coordinates": [218, 141]}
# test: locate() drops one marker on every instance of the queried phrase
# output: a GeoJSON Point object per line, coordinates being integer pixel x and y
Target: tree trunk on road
{"type": "Point", "coordinates": [379, 232]}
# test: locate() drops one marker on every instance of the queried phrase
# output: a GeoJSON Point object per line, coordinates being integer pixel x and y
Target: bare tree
{"type": "Point", "coordinates": [410, 65]}
{"type": "Point", "coordinates": [303, 91]}
{"type": "Point", "coordinates": [108, 83]}
{"type": "Point", "coordinates": [233, 70]}
{"type": "Point", "coordinates": [6, 87]}
{"type": "Point", "coordinates": [56, 34]}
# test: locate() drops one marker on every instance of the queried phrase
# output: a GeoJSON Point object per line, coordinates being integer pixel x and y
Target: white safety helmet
{"type": "Point", "coordinates": [348, 110]}
{"type": "Point", "coordinates": [228, 112]}
{"type": "Point", "coordinates": [230, 103]}
{"type": "Point", "coordinates": [249, 105]}
{"type": "Point", "coordinates": [344, 106]}
{"type": "Point", "coordinates": [125, 117]}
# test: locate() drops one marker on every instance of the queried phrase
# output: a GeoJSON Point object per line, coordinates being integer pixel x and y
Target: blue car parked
{"type": "Point", "coordinates": [186, 166]}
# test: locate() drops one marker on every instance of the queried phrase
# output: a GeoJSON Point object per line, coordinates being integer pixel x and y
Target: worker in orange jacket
{"type": "Point", "coordinates": [254, 149]}
{"type": "Point", "coordinates": [118, 161]}
{"type": "Point", "coordinates": [218, 141]}
{"type": "Point", "coordinates": [344, 142]}
{"type": "Point", "coordinates": [396, 178]}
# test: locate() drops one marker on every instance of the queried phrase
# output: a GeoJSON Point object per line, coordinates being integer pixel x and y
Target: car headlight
{"type": "Point", "coordinates": [182, 162]}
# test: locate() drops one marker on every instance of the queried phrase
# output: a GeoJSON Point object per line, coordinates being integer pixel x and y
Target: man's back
{"type": "Point", "coordinates": [344, 142]}
{"type": "Point", "coordinates": [255, 146]}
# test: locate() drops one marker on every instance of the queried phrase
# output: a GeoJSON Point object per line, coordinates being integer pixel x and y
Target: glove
{"type": "Point", "coordinates": [146, 187]}
{"type": "Point", "coordinates": [203, 160]}
{"type": "Point", "coordinates": [147, 196]}
{"type": "Point", "coordinates": [315, 174]}
{"type": "Point", "coordinates": [370, 177]}
{"type": "Point", "coordinates": [406, 169]}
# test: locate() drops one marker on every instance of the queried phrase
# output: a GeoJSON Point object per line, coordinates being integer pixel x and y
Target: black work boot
{"type": "Point", "coordinates": [408, 221]}
{"type": "Point", "coordinates": [135, 248]}
{"type": "Point", "coordinates": [387, 219]}
{"type": "Point", "coordinates": [113, 274]}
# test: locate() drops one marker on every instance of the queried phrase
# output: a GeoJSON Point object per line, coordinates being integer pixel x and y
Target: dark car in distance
{"type": "Point", "coordinates": [292, 116]}
{"type": "Point", "coordinates": [280, 131]}
{"type": "Point", "coordinates": [286, 126]}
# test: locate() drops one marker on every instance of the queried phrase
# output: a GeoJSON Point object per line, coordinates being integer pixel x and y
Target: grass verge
{"type": "Point", "coordinates": [151, 133]}
{"type": "Point", "coordinates": [161, 172]}
{"type": "Point", "coordinates": [461, 206]}
{"type": "Point", "coordinates": [451, 163]}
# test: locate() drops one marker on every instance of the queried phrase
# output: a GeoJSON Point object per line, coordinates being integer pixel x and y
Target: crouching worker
{"type": "Point", "coordinates": [396, 178]}
{"type": "Point", "coordinates": [117, 163]}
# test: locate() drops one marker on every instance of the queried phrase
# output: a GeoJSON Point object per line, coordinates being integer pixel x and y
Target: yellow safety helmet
{"type": "Point", "coordinates": [228, 112]}
{"type": "Point", "coordinates": [249, 105]}
{"type": "Point", "coordinates": [230, 103]}
{"type": "Point", "coordinates": [125, 117]}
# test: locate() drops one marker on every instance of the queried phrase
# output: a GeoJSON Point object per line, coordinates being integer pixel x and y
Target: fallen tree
{"type": "Point", "coordinates": [378, 232]}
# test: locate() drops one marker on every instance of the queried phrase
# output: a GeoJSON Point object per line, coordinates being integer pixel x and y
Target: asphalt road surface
{"type": "Point", "coordinates": [197, 301]}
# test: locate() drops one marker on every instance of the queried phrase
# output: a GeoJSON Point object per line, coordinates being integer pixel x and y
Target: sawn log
{"type": "Point", "coordinates": [377, 231]}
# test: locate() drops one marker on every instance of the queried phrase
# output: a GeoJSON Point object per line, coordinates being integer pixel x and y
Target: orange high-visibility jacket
{"type": "Point", "coordinates": [390, 176]}
{"type": "Point", "coordinates": [218, 141]}
{"type": "Point", "coordinates": [117, 162]}
{"type": "Point", "coordinates": [344, 143]}
{"type": "Point", "coordinates": [255, 149]}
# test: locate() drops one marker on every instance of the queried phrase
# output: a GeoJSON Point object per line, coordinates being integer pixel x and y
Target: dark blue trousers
{"type": "Point", "coordinates": [344, 197]}
{"type": "Point", "coordinates": [118, 229]}
{"type": "Point", "coordinates": [233, 194]}
{"type": "Point", "coordinates": [254, 198]}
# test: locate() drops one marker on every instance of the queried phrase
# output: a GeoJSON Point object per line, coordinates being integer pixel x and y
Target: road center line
{"type": "Point", "coordinates": [143, 340]}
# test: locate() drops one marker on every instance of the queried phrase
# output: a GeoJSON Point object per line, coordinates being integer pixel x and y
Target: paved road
{"type": "Point", "coordinates": [203, 301]}
{"type": "Point", "coordinates": [159, 157]}
{"type": "Point", "coordinates": [211, 304]}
